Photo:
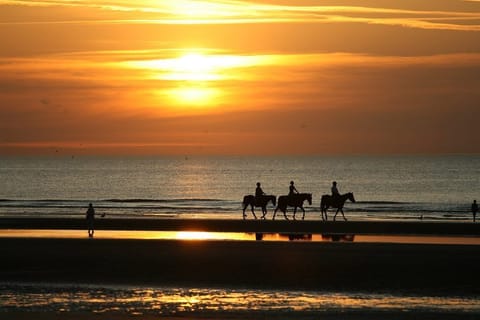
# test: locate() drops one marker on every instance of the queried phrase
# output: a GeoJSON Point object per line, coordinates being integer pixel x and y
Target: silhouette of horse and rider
{"type": "Point", "coordinates": [260, 199]}
{"type": "Point", "coordinates": [295, 199]}
{"type": "Point", "coordinates": [335, 200]}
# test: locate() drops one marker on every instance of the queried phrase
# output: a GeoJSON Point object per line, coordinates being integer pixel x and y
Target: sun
{"type": "Point", "coordinates": [194, 79]}
{"type": "Point", "coordinates": [194, 95]}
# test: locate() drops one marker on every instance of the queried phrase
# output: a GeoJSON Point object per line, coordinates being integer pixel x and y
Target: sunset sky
{"type": "Point", "coordinates": [284, 77]}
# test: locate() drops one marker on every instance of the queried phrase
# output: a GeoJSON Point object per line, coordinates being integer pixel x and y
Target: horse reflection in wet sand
{"type": "Point", "coordinates": [328, 201]}
{"type": "Point", "coordinates": [262, 202]}
{"type": "Point", "coordinates": [295, 200]}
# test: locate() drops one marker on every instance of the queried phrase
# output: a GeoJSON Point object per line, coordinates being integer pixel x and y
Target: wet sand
{"type": "Point", "coordinates": [245, 226]}
{"type": "Point", "coordinates": [380, 267]}
{"type": "Point", "coordinates": [251, 315]}
{"type": "Point", "coordinates": [397, 268]}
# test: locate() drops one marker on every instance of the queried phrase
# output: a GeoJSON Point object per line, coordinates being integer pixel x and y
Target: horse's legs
{"type": "Point", "coordinates": [341, 210]}
{"type": "Point", "coordinates": [253, 212]}
{"type": "Point", "coordinates": [294, 212]}
{"type": "Point", "coordinates": [264, 211]}
{"type": "Point", "coordinates": [303, 217]}
{"type": "Point", "coordinates": [244, 215]}
{"type": "Point", "coordinates": [335, 216]}
{"type": "Point", "coordinates": [274, 213]}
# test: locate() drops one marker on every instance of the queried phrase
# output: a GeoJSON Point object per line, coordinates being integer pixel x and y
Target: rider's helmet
{"type": "Point", "coordinates": [291, 182]}
{"type": "Point", "coordinates": [334, 183]}
{"type": "Point", "coordinates": [258, 184]}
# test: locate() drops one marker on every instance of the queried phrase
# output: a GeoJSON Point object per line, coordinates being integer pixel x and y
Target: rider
{"type": "Point", "coordinates": [292, 189]}
{"type": "Point", "coordinates": [258, 191]}
{"type": "Point", "coordinates": [335, 193]}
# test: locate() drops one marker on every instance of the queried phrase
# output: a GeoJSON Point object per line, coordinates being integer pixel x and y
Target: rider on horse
{"type": "Point", "coordinates": [335, 193]}
{"type": "Point", "coordinates": [259, 192]}
{"type": "Point", "coordinates": [292, 190]}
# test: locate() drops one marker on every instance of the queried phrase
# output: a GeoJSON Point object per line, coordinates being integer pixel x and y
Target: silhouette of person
{"type": "Point", "coordinates": [258, 191]}
{"type": "Point", "coordinates": [474, 210]}
{"type": "Point", "coordinates": [90, 220]}
{"type": "Point", "coordinates": [292, 189]}
{"type": "Point", "coordinates": [335, 193]}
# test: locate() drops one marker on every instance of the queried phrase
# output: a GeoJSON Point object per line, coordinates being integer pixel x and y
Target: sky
{"type": "Point", "coordinates": [239, 77]}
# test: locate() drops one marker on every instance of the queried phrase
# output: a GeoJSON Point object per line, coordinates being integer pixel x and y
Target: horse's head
{"type": "Point", "coordinates": [309, 198]}
{"type": "Point", "coordinates": [350, 196]}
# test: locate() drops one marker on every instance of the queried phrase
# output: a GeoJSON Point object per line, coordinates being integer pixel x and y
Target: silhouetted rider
{"type": "Point", "coordinates": [335, 193]}
{"type": "Point", "coordinates": [292, 189]}
{"type": "Point", "coordinates": [258, 191]}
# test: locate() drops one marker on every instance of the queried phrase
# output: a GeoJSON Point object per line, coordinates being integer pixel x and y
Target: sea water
{"type": "Point", "coordinates": [385, 187]}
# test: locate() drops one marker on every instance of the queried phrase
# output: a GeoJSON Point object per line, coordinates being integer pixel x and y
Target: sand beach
{"type": "Point", "coordinates": [386, 268]}
{"type": "Point", "coordinates": [413, 268]}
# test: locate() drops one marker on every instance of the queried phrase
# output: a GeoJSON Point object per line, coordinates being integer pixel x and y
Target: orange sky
{"type": "Point", "coordinates": [239, 77]}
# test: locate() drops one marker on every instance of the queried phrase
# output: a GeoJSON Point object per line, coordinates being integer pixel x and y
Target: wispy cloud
{"type": "Point", "coordinates": [234, 12]}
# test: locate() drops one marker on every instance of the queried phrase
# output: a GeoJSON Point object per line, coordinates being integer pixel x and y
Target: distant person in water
{"type": "Point", "coordinates": [90, 220]}
{"type": "Point", "coordinates": [292, 189]}
{"type": "Point", "coordinates": [474, 210]}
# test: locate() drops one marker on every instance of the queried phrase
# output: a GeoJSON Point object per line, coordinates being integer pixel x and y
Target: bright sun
{"type": "Point", "coordinates": [193, 78]}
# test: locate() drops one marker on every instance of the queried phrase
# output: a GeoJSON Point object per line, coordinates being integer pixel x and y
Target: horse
{"type": "Point", "coordinates": [328, 201]}
{"type": "Point", "coordinates": [295, 200]}
{"type": "Point", "coordinates": [262, 201]}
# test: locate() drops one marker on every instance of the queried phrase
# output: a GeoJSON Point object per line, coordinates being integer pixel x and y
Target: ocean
{"type": "Point", "coordinates": [439, 188]}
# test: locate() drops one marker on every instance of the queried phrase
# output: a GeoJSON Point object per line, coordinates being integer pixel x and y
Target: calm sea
{"type": "Point", "coordinates": [386, 188]}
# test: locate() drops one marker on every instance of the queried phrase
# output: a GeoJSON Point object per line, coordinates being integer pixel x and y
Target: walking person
{"type": "Point", "coordinates": [474, 210]}
{"type": "Point", "coordinates": [90, 220]}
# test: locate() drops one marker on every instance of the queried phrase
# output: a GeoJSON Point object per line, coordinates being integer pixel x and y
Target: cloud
{"type": "Point", "coordinates": [241, 12]}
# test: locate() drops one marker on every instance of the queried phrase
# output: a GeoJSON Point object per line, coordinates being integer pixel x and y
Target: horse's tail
{"type": "Point", "coordinates": [246, 199]}
{"type": "Point", "coordinates": [323, 201]}
{"type": "Point", "coordinates": [282, 201]}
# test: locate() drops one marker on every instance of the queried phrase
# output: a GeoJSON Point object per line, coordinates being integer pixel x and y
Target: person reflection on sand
{"type": "Point", "coordinates": [90, 220]}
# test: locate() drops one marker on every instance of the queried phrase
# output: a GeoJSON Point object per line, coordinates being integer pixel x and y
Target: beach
{"type": "Point", "coordinates": [404, 269]}
{"type": "Point", "coordinates": [409, 268]}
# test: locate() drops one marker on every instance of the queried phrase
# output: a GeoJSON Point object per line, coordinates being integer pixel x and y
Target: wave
{"type": "Point", "coordinates": [382, 202]}
{"type": "Point", "coordinates": [225, 208]}
{"type": "Point", "coordinates": [134, 200]}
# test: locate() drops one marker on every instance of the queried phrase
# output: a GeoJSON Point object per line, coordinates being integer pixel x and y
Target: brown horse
{"type": "Point", "coordinates": [295, 200]}
{"type": "Point", "coordinates": [328, 201]}
{"type": "Point", "coordinates": [262, 202]}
